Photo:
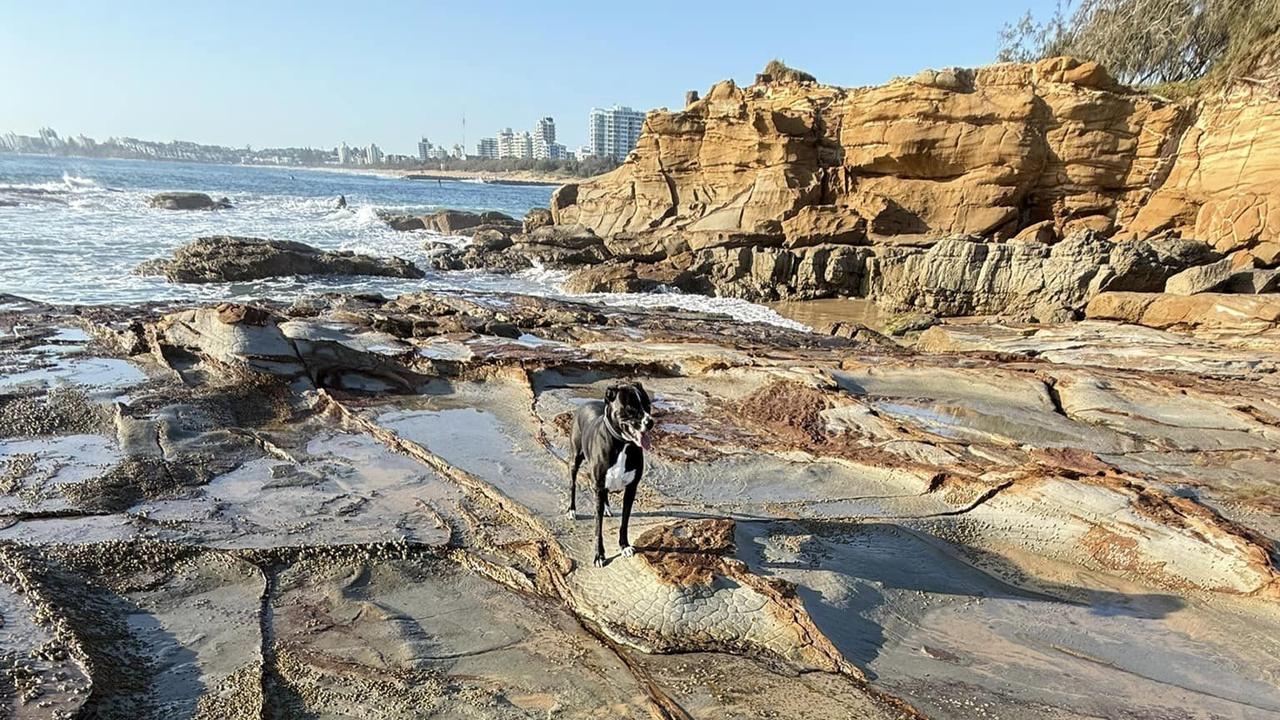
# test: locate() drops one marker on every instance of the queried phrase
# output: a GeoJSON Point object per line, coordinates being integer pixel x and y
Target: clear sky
{"type": "Point", "coordinates": [268, 73]}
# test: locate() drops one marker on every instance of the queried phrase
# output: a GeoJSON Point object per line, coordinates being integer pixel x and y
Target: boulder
{"type": "Point", "coordinates": [1267, 254]}
{"type": "Point", "coordinates": [769, 273]}
{"type": "Point", "coordinates": [1204, 311]}
{"type": "Point", "coordinates": [570, 237]}
{"type": "Point", "coordinates": [536, 218]}
{"type": "Point", "coordinates": [226, 258]}
{"type": "Point", "coordinates": [404, 223]}
{"type": "Point", "coordinates": [910, 322]}
{"type": "Point", "coordinates": [555, 246]}
{"type": "Point", "coordinates": [450, 222]}
{"type": "Point", "coordinates": [1041, 232]}
{"type": "Point", "coordinates": [1202, 278]}
{"type": "Point", "coordinates": [1253, 281]}
{"type": "Point", "coordinates": [824, 225]}
{"type": "Point", "coordinates": [490, 239]}
{"type": "Point", "coordinates": [1145, 265]}
{"type": "Point", "coordinates": [187, 201]}
{"type": "Point", "coordinates": [453, 222]}
{"type": "Point", "coordinates": [611, 278]}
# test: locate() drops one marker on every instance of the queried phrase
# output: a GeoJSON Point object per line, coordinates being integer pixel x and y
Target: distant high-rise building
{"type": "Point", "coordinates": [373, 155]}
{"type": "Point", "coordinates": [613, 132]}
{"type": "Point", "coordinates": [517, 145]}
{"type": "Point", "coordinates": [544, 139]}
{"type": "Point", "coordinates": [487, 148]}
{"type": "Point", "coordinates": [545, 146]}
{"type": "Point", "coordinates": [424, 149]}
{"type": "Point", "coordinates": [344, 154]}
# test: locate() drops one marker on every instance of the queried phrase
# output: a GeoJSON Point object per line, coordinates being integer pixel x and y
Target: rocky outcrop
{"type": "Point", "coordinates": [187, 201]}
{"type": "Point", "coordinates": [988, 151]}
{"type": "Point", "coordinates": [536, 218]}
{"type": "Point", "coordinates": [225, 258]}
{"type": "Point", "coordinates": [953, 276]}
{"type": "Point", "coordinates": [1059, 501]}
{"type": "Point", "coordinates": [496, 248]}
{"type": "Point", "coordinates": [966, 179]}
{"type": "Point", "coordinates": [453, 222]}
{"type": "Point", "coordinates": [962, 277]}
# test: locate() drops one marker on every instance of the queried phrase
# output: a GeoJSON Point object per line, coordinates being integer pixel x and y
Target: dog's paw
{"type": "Point", "coordinates": [628, 551]}
{"type": "Point", "coordinates": [570, 514]}
{"type": "Point", "coordinates": [599, 561]}
{"type": "Point", "coordinates": [608, 510]}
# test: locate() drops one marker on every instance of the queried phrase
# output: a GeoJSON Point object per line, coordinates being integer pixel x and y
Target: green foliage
{"type": "Point", "coordinates": [779, 71]}
{"type": "Point", "coordinates": [1146, 42]}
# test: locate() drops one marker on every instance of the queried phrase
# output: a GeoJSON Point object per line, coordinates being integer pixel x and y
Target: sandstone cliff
{"type": "Point", "coordinates": [762, 191]}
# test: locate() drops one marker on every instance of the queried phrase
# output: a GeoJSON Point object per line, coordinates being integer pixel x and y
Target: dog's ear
{"type": "Point", "coordinates": [640, 393]}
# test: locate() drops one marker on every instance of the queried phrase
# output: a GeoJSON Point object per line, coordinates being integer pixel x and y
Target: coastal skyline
{"type": "Point", "coordinates": [316, 75]}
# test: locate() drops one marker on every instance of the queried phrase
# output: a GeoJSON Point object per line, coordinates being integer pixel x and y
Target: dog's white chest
{"type": "Point", "coordinates": [618, 476]}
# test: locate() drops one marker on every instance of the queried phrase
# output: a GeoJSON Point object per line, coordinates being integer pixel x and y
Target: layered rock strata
{"type": "Point", "coordinates": [793, 189]}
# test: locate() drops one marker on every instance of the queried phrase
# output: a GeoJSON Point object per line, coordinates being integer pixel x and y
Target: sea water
{"type": "Point", "coordinates": [73, 229]}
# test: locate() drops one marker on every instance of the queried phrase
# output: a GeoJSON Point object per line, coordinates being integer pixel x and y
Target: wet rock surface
{"type": "Point", "coordinates": [353, 507]}
{"type": "Point", "coordinates": [225, 258]}
{"type": "Point", "coordinates": [187, 201]}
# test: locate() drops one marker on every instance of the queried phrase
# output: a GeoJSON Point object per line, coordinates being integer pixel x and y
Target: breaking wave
{"type": "Point", "coordinates": [76, 236]}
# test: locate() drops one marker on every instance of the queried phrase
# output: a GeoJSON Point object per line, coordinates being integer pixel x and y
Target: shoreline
{"type": "Point", "coordinates": [512, 177]}
{"type": "Point", "coordinates": [481, 179]}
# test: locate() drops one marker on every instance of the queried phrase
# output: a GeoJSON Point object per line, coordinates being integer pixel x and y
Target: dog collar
{"type": "Point", "coordinates": [609, 426]}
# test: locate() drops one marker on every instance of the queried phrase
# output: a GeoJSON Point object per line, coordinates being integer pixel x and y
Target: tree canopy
{"type": "Point", "coordinates": [1145, 42]}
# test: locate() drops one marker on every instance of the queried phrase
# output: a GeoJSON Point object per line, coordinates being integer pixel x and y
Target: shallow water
{"type": "Point", "coordinates": [81, 226]}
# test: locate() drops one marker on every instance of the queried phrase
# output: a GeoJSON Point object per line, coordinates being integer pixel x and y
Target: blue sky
{"type": "Point", "coordinates": [317, 73]}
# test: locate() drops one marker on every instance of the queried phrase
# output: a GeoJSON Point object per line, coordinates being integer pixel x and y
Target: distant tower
{"type": "Point", "coordinates": [613, 132]}
{"type": "Point", "coordinates": [544, 139]}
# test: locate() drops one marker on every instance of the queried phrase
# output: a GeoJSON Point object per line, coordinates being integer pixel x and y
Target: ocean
{"type": "Point", "coordinates": [80, 226]}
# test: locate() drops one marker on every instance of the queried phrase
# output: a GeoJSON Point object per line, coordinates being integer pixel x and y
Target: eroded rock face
{"type": "Point", "coordinates": [987, 151]}
{"type": "Point", "coordinates": [225, 258]}
{"type": "Point", "coordinates": [1222, 186]}
{"type": "Point", "coordinates": [963, 277]}
{"type": "Point", "coordinates": [741, 183]}
{"type": "Point", "coordinates": [187, 201]}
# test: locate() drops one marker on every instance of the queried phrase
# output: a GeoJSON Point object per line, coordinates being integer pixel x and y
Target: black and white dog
{"type": "Point", "coordinates": [611, 437]}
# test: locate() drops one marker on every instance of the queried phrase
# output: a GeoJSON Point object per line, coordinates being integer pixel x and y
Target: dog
{"type": "Point", "coordinates": [610, 437]}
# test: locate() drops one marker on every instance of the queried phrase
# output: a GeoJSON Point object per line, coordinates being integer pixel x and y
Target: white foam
{"type": "Point", "coordinates": [85, 250]}
{"type": "Point", "coordinates": [735, 308]}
